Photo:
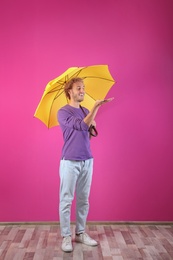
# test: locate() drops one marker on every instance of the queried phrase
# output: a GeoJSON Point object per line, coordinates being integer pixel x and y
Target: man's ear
{"type": "Point", "coordinates": [69, 92]}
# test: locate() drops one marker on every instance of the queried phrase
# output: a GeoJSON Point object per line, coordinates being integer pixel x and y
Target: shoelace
{"type": "Point", "coordinates": [87, 236]}
{"type": "Point", "coordinates": [67, 241]}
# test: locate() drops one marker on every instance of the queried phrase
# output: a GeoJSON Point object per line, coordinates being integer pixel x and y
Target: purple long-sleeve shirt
{"type": "Point", "coordinates": [75, 133]}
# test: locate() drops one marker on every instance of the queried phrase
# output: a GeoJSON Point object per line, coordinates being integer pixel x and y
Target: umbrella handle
{"type": "Point", "coordinates": [93, 131]}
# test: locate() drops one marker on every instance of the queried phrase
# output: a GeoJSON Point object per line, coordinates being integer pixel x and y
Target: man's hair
{"type": "Point", "coordinates": [69, 85]}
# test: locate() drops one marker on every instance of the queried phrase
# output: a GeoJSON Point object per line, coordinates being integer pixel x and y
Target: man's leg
{"type": "Point", "coordinates": [68, 178]}
{"type": "Point", "coordinates": [82, 194]}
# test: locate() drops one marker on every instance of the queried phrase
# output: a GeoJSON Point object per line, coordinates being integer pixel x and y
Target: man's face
{"type": "Point", "coordinates": [77, 92]}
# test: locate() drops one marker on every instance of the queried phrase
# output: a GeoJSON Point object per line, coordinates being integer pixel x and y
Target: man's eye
{"type": "Point", "coordinates": [79, 88]}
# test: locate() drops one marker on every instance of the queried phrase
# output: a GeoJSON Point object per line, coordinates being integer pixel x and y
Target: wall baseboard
{"type": "Point", "coordinates": [91, 223]}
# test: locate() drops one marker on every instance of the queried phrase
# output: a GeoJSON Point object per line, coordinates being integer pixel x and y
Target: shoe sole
{"type": "Point", "coordinates": [67, 251]}
{"type": "Point", "coordinates": [85, 243]}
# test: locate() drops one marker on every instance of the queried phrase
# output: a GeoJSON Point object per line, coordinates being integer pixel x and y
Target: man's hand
{"type": "Point", "coordinates": [93, 123]}
{"type": "Point", "coordinates": [103, 101]}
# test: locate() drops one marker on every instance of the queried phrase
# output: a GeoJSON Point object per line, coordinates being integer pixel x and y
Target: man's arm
{"type": "Point", "coordinates": [92, 114]}
{"type": "Point", "coordinates": [67, 119]}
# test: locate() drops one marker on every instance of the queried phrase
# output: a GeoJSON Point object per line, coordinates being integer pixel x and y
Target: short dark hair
{"type": "Point", "coordinates": [69, 85]}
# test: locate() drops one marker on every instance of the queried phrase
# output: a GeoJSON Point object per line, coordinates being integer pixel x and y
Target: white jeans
{"type": "Point", "coordinates": [74, 176]}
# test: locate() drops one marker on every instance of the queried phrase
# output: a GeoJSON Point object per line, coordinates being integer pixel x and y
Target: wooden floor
{"type": "Point", "coordinates": [117, 242]}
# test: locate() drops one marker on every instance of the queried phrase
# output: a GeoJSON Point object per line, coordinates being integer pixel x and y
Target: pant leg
{"type": "Point", "coordinates": [82, 194]}
{"type": "Point", "coordinates": [68, 176]}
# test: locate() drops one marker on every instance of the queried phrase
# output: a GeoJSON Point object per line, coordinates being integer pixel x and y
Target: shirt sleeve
{"type": "Point", "coordinates": [67, 119]}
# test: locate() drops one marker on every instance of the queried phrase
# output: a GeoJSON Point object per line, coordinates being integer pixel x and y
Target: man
{"type": "Point", "coordinates": [76, 165]}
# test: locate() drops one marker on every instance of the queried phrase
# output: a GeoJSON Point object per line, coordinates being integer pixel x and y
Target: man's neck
{"type": "Point", "coordinates": [74, 104]}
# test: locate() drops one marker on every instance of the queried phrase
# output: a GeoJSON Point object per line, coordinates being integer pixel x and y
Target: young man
{"type": "Point", "coordinates": [76, 165]}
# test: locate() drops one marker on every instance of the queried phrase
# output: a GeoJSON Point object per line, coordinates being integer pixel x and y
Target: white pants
{"type": "Point", "coordinates": [74, 176]}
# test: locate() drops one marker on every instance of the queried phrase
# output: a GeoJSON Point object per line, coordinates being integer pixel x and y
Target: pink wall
{"type": "Point", "coordinates": [133, 177]}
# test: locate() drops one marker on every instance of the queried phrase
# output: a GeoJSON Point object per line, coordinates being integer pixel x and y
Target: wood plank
{"type": "Point", "coordinates": [116, 242]}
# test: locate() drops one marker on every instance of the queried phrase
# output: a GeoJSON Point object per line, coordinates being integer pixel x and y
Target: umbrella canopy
{"type": "Point", "coordinates": [97, 80]}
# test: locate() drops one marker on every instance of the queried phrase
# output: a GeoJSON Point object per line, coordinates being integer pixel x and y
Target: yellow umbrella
{"type": "Point", "coordinates": [97, 80]}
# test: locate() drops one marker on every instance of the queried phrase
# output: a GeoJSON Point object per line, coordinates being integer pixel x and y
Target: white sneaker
{"type": "Point", "coordinates": [66, 244]}
{"type": "Point", "coordinates": [85, 239]}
